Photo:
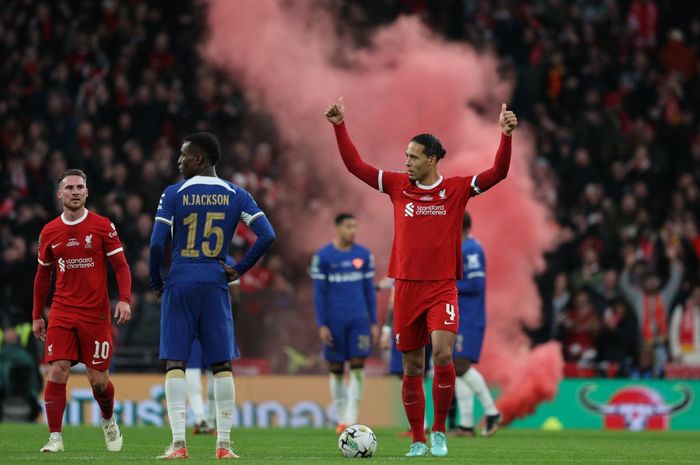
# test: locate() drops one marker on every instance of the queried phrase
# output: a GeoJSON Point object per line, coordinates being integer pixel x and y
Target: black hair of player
{"type": "Point", "coordinates": [207, 143]}
{"type": "Point", "coordinates": [340, 217]}
{"type": "Point", "coordinates": [73, 172]}
{"type": "Point", "coordinates": [466, 222]}
{"type": "Point", "coordinates": [433, 146]}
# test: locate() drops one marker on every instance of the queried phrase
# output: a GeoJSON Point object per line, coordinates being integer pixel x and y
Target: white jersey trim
{"type": "Point", "coordinates": [163, 220]}
{"type": "Point", "coordinates": [71, 223]}
{"type": "Point", "coordinates": [206, 180]}
{"type": "Point", "coordinates": [475, 187]}
{"type": "Point", "coordinates": [247, 218]}
{"type": "Point", "coordinates": [476, 274]}
{"type": "Point", "coordinates": [109, 254]}
{"type": "Point", "coordinates": [44, 263]}
{"type": "Point", "coordinates": [432, 186]}
{"type": "Point", "coordinates": [379, 181]}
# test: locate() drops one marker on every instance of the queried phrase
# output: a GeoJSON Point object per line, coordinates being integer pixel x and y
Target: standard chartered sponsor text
{"type": "Point", "coordinates": [431, 210]}
{"type": "Point", "coordinates": [84, 262]}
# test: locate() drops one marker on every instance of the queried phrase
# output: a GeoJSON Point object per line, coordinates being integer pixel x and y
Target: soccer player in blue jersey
{"type": "Point", "coordinates": [470, 337]}
{"type": "Point", "coordinates": [346, 314]}
{"type": "Point", "coordinates": [200, 214]}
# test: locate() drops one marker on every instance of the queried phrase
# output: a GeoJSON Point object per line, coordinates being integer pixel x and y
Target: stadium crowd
{"type": "Point", "coordinates": [611, 89]}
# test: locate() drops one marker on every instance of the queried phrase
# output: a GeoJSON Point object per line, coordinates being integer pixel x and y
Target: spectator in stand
{"type": "Point", "coordinates": [618, 340]}
{"type": "Point", "coordinates": [579, 328]}
{"type": "Point", "coordinates": [684, 330]}
{"type": "Point", "coordinates": [650, 302]}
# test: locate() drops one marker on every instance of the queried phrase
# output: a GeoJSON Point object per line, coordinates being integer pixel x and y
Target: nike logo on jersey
{"type": "Point", "coordinates": [53, 246]}
{"type": "Point", "coordinates": [97, 362]}
{"type": "Point", "coordinates": [410, 403]}
{"type": "Point", "coordinates": [448, 322]}
{"type": "Point", "coordinates": [444, 386]}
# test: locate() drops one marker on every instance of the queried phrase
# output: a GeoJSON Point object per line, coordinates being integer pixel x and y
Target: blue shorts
{"type": "Point", "coordinates": [197, 311]}
{"type": "Point", "coordinates": [350, 340]}
{"type": "Point", "coordinates": [469, 341]}
{"type": "Point", "coordinates": [197, 361]}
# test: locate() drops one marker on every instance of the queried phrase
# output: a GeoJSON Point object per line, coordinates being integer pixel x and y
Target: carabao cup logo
{"type": "Point", "coordinates": [636, 408]}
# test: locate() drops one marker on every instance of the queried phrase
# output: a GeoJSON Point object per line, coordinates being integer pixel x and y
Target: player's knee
{"type": "Point", "coordinates": [175, 365]}
{"type": "Point", "coordinates": [357, 363]}
{"type": "Point", "coordinates": [414, 368]}
{"type": "Point", "coordinates": [221, 366]}
{"type": "Point", "coordinates": [336, 368]}
{"type": "Point", "coordinates": [442, 356]}
{"type": "Point", "coordinates": [462, 365]}
{"type": "Point", "coordinates": [59, 371]}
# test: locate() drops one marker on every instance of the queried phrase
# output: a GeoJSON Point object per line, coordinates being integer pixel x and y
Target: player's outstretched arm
{"type": "Point", "coordinates": [335, 113]}
{"type": "Point", "coordinates": [499, 170]}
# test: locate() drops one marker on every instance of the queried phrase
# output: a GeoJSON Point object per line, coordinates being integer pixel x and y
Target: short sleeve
{"type": "Point", "coordinates": [110, 239]}
{"type": "Point", "coordinates": [249, 210]}
{"type": "Point", "coordinates": [166, 207]}
{"type": "Point", "coordinates": [45, 257]}
{"type": "Point", "coordinates": [389, 181]}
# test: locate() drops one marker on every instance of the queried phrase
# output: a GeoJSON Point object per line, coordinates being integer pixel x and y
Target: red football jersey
{"type": "Point", "coordinates": [78, 251]}
{"type": "Point", "coordinates": [427, 226]}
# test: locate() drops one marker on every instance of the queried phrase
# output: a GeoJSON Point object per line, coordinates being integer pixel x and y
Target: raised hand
{"type": "Point", "coordinates": [507, 120]}
{"type": "Point", "coordinates": [335, 112]}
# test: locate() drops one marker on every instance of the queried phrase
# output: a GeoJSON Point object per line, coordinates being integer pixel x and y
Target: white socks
{"type": "Point", "coordinates": [224, 394]}
{"type": "Point", "coordinates": [337, 387]}
{"type": "Point", "coordinates": [465, 402]}
{"type": "Point", "coordinates": [211, 401]}
{"type": "Point", "coordinates": [175, 396]}
{"type": "Point", "coordinates": [477, 384]}
{"type": "Point", "coordinates": [354, 395]}
{"type": "Point", "coordinates": [194, 393]}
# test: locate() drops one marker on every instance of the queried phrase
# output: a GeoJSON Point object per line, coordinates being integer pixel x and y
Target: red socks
{"type": "Point", "coordinates": [443, 390]}
{"type": "Point", "coordinates": [414, 405]}
{"type": "Point", "coordinates": [105, 400]}
{"type": "Point", "coordinates": [55, 402]}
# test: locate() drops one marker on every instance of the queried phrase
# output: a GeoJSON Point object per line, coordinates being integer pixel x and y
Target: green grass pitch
{"type": "Point", "coordinates": [20, 444]}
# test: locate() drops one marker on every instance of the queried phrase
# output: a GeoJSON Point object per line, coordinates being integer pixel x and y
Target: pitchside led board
{"type": "Point", "coordinates": [303, 401]}
{"type": "Point", "coordinates": [635, 405]}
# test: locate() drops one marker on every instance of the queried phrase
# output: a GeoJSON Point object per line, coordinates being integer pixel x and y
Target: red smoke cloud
{"type": "Point", "coordinates": [292, 63]}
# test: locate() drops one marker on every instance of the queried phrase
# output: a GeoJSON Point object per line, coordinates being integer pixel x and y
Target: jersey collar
{"type": "Point", "coordinates": [71, 223]}
{"type": "Point", "coordinates": [432, 186]}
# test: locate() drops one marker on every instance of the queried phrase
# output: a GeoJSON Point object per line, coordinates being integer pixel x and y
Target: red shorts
{"type": "Point", "coordinates": [421, 307]}
{"type": "Point", "coordinates": [77, 340]}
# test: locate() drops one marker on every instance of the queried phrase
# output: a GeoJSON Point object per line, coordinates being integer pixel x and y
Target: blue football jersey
{"type": "Point", "coordinates": [343, 285]}
{"type": "Point", "coordinates": [472, 286]}
{"type": "Point", "coordinates": [203, 213]}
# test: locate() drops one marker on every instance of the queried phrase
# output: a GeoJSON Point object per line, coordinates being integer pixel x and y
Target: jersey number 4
{"type": "Point", "coordinates": [209, 229]}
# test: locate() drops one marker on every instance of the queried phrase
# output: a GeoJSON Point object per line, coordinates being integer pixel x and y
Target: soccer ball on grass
{"type": "Point", "coordinates": [357, 441]}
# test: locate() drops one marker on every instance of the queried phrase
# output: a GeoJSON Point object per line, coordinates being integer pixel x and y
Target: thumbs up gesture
{"type": "Point", "coordinates": [507, 120]}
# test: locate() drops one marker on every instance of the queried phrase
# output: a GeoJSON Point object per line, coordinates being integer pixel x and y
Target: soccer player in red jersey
{"type": "Point", "coordinates": [426, 261]}
{"type": "Point", "coordinates": [77, 245]}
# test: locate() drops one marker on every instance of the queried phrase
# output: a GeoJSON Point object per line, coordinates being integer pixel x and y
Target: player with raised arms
{"type": "Point", "coordinates": [426, 261]}
{"type": "Point", "coordinates": [201, 214]}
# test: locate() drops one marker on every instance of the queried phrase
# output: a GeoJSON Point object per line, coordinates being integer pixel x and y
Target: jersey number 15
{"type": "Point", "coordinates": [209, 229]}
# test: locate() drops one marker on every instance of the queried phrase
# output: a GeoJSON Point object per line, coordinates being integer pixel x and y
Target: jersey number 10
{"type": "Point", "coordinates": [209, 229]}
